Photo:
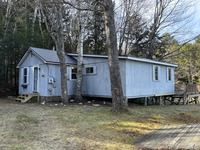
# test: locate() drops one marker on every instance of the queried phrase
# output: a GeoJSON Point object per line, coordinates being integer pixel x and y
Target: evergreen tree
{"type": "Point", "coordinates": [16, 35]}
{"type": "Point", "coordinates": [95, 39]}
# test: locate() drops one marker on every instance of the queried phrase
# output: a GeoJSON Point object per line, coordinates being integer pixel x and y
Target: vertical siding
{"type": "Point", "coordinates": [140, 82]}
{"type": "Point", "coordinates": [43, 79]}
{"type": "Point", "coordinates": [45, 72]}
{"type": "Point", "coordinates": [137, 78]}
{"type": "Point", "coordinates": [29, 62]}
{"type": "Point", "coordinates": [96, 84]}
{"type": "Point", "coordinates": [99, 84]}
{"type": "Point", "coordinates": [54, 89]}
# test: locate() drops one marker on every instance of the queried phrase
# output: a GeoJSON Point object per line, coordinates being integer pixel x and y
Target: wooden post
{"type": "Point", "coordinates": [38, 98]}
{"type": "Point", "coordinates": [172, 101]}
{"type": "Point", "coordinates": [160, 100]}
{"type": "Point", "coordinates": [185, 98]}
{"type": "Point", "coordinates": [145, 101]}
{"type": "Point", "coordinates": [165, 100]}
{"type": "Point", "coordinates": [153, 101]}
{"type": "Point", "coordinates": [196, 100]}
{"type": "Point", "coordinates": [148, 100]}
{"type": "Point", "coordinates": [126, 102]}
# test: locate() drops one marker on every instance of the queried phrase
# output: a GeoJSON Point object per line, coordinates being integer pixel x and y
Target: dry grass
{"type": "Point", "coordinates": [37, 127]}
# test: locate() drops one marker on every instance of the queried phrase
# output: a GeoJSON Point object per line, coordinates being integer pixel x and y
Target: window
{"type": "Point", "coordinates": [25, 75]}
{"type": "Point", "coordinates": [156, 71]}
{"type": "Point", "coordinates": [89, 70]}
{"type": "Point", "coordinates": [169, 74]}
{"type": "Point", "coordinates": [73, 73]}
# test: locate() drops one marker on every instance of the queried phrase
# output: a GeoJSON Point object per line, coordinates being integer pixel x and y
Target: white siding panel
{"type": "Point", "coordinates": [140, 81]}
{"type": "Point", "coordinates": [137, 78]}
{"type": "Point", "coordinates": [29, 62]}
{"type": "Point", "coordinates": [54, 72]}
{"type": "Point", "coordinates": [98, 85]}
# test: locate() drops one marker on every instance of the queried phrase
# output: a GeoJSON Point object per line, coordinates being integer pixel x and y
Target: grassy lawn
{"type": "Point", "coordinates": [44, 127]}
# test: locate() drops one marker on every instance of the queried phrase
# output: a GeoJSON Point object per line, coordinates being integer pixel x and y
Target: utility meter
{"type": "Point", "coordinates": [50, 80]}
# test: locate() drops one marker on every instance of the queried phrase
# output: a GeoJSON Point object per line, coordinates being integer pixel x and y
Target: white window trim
{"type": "Point", "coordinates": [27, 76]}
{"type": "Point", "coordinates": [90, 66]}
{"type": "Point", "coordinates": [168, 74]}
{"type": "Point", "coordinates": [71, 72]}
{"type": "Point", "coordinates": [154, 66]}
{"type": "Point", "coordinates": [37, 66]}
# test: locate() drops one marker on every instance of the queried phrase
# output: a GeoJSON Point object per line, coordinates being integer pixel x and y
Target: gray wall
{"type": "Point", "coordinates": [137, 78]}
{"type": "Point", "coordinates": [29, 62]}
{"type": "Point", "coordinates": [54, 71]}
{"type": "Point", "coordinates": [45, 72]}
{"type": "Point", "coordinates": [140, 83]}
{"type": "Point", "coordinates": [98, 84]}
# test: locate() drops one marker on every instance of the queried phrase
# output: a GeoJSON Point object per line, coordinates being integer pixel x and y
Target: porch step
{"type": "Point", "coordinates": [26, 97]}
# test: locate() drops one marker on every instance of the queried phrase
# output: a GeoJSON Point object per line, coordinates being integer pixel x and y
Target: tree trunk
{"type": "Point", "coordinates": [63, 72]}
{"type": "Point", "coordinates": [61, 55]}
{"type": "Point", "coordinates": [54, 26]}
{"type": "Point", "coordinates": [118, 100]}
{"type": "Point", "coordinates": [78, 96]}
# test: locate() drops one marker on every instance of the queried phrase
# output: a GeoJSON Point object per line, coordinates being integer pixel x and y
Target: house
{"type": "Point", "coordinates": [39, 72]}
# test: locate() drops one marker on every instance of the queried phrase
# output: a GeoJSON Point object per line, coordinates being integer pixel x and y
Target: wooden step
{"type": "Point", "coordinates": [21, 97]}
{"type": "Point", "coordinates": [26, 97]}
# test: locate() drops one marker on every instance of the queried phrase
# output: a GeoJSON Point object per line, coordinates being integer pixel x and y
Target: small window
{"type": "Point", "coordinates": [89, 70]}
{"type": "Point", "coordinates": [156, 71]}
{"type": "Point", "coordinates": [169, 74]}
{"type": "Point", "coordinates": [25, 76]}
{"type": "Point", "coordinates": [73, 73]}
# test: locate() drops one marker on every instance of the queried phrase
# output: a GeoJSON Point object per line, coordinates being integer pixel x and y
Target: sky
{"type": "Point", "coordinates": [192, 29]}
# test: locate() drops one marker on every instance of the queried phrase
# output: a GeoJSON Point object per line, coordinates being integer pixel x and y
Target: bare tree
{"type": "Point", "coordinates": [169, 16]}
{"type": "Point", "coordinates": [118, 100]}
{"type": "Point", "coordinates": [128, 12]}
{"type": "Point", "coordinates": [53, 15]}
{"type": "Point", "coordinates": [159, 17]}
{"type": "Point", "coordinates": [81, 26]}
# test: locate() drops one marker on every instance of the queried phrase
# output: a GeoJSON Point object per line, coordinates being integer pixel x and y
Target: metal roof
{"type": "Point", "coordinates": [47, 56]}
{"type": "Point", "coordinates": [50, 56]}
{"type": "Point", "coordinates": [131, 58]}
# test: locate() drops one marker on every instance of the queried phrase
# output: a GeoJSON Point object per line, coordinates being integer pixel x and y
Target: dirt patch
{"type": "Point", "coordinates": [186, 118]}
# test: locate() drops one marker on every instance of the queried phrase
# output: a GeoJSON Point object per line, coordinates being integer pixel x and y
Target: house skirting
{"type": "Point", "coordinates": [53, 98]}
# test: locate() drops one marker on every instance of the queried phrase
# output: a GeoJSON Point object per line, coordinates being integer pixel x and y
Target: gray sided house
{"type": "Point", "coordinates": [39, 72]}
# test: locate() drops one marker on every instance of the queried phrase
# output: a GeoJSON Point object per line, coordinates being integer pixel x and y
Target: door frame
{"type": "Point", "coordinates": [37, 90]}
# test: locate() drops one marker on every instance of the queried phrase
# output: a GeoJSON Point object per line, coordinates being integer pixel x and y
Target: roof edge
{"type": "Point", "coordinates": [35, 53]}
{"type": "Point", "coordinates": [31, 49]}
{"type": "Point", "coordinates": [26, 54]}
{"type": "Point", "coordinates": [129, 58]}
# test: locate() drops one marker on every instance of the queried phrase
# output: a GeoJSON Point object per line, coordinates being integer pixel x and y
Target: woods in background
{"type": "Point", "coordinates": [138, 34]}
{"type": "Point", "coordinates": [17, 33]}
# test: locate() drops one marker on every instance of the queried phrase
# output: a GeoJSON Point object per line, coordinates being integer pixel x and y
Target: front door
{"type": "Point", "coordinates": [35, 82]}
